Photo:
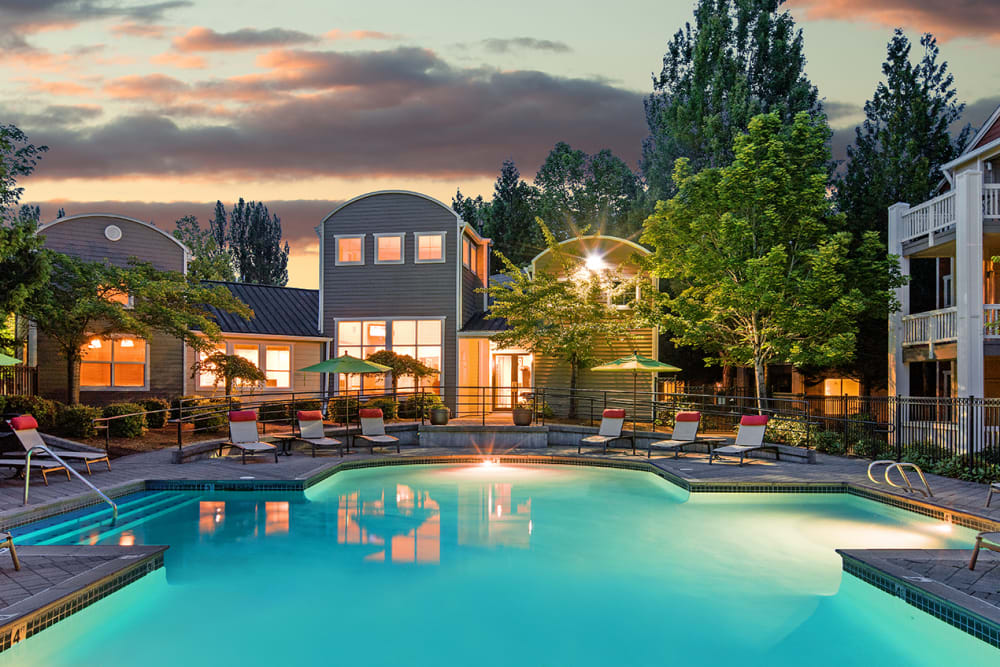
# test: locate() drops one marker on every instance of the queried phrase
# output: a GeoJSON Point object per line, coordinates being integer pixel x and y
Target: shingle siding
{"type": "Point", "coordinates": [393, 290]}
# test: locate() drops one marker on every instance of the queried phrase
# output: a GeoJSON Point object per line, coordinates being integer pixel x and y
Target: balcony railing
{"type": "Point", "coordinates": [933, 216]}
{"type": "Point", "coordinates": [991, 201]}
{"type": "Point", "coordinates": [934, 326]}
{"type": "Point", "coordinates": [991, 320]}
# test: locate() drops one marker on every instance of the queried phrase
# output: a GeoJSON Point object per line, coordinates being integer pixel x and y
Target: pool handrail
{"type": "Point", "coordinates": [901, 466]}
{"type": "Point", "coordinates": [27, 478]}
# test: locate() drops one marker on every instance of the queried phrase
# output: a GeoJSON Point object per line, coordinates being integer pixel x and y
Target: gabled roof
{"type": "Point", "coordinates": [278, 311]}
{"type": "Point", "coordinates": [989, 131]}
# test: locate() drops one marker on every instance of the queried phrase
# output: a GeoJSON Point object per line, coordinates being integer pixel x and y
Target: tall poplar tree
{"type": "Point", "coordinates": [254, 239]}
{"type": "Point", "coordinates": [739, 59]}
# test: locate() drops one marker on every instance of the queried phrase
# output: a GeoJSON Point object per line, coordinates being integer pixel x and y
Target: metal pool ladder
{"type": "Point", "coordinates": [901, 467]}
{"type": "Point", "coordinates": [27, 478]}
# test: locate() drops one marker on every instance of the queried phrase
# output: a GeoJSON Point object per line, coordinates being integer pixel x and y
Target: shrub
{"type": "Point", "coordinates": [156, 419]}
{"type": "Point", "coordinates": [42, 409]}
{"type": "Point", "coordinates": [388, 406]}
{"type": "Point", "coordinates": [409, 408]}
{"type": "Point", "coordinates": [787, 432]}
{"type": "Point", "coordinates": [126, 427]}
{"type": "Point", "coordinates": [207, 414]}
{"type": "Point", "coordinates": [342, 408]}
{"type": "Point", "coordinates": [273, 412]}
{"type": "Point", "coordinates": [310, 404]}
{"type": "Point", "coordinates": [77, 421]}
{"type": "Point", "coordinates": [869, 448]}
{"type": "Point", "coordinates": [829, 442]}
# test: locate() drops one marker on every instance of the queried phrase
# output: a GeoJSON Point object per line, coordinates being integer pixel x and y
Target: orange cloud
{"type": "Point", "coordinates": [69, 88]}
{"type": "Point", "coordinates": [155, 87]}
{"type": "Point", "coordinates": [947, 20]}
{"type": "Point", "coordinates": [178, 60]}
{"type": "Point", "coordinates": [337, 34]}
{"type": "Point", "coordinates": [205, 39]}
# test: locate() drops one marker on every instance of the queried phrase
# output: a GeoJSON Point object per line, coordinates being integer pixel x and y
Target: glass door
{"type": "Point", "coordinates": [511, 373]}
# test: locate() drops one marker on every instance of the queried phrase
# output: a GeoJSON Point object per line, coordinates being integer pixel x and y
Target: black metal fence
{"type": "Point", "coordinates": [18, 380]}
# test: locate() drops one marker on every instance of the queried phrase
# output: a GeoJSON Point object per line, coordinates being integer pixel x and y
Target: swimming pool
{"type": "Point", "coordinates": [501, 565]}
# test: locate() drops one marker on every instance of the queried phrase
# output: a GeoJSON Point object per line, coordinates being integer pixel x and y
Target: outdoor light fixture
{"type": "Point", "coordinates": [128, 342]}
{"type": "Point", "coordinates": [595, 263]}
{"type": "Point", "coordinates": [95, 344]}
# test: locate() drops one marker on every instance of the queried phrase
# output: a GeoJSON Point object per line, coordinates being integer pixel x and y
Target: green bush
{"type": "Point", "coordinates": [306, 405]}
{"type": "Point", "coordinates": [870, 448]}
{"type": "Point", "coordinates": [76, 421]}
{"type": "Point", "coordinates": [787, 432]}
{"type": "Point", "coordinates": [126, 427]}
{"type": "Point", "coordinates": [274, 412]}
{"type": "Point", "coordinates": [42, 409]}
{"type": "Point", "coordinates": [409, 408]}
{"type": "Point", "coordinates": [829, 442]}
{"type": "Point", "coordinates": [156, 419]}
{"type": "Point", "coordinates": [207, 414]}
{"type": "Point", "coordinates": [389, 407]}
{"type": "Point", "coordinates": [342, 408]}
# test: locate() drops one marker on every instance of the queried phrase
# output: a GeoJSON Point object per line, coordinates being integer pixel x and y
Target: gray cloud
{"type": "Point", "coordinates": [205, 39]}
{"type": "Point", "coordinates": [52, 115]}
{"type": "Point", "coordinates": [37, 14]}
{"type": "Point", "coordinates": [497, 45]}
{"type": "Point", "coordinates": [397, 112]}
{"type": "Point", "coordinates": [839, 112]}
{"type": "Point", "coordinates": [947, 20]}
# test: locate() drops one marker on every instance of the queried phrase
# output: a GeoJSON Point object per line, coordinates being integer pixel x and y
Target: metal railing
{"type": "Point", "coordinates": [69, 469]}
{"type": "Point", "coordinates": [18, 380]}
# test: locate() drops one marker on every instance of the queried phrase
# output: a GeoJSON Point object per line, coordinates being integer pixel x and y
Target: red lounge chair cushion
{"type": "Point", "coordinates": [310, 415]}
{"type": "Point", "coordinates": [23, 423]}
{"type": "Point", "coordinates": [614, 414]}
{"type": "Point", "coordinates": [688, 417]}
{"type": "Point", "coordinates": [370, 413]}
{"type": "Point", "coordinates": [243, 416]}
{"type": "Point", "coordinates": [754, 420]}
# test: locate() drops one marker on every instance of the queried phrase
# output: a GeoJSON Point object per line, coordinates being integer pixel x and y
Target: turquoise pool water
{"type": "Point", "coordinates": [449, 565]}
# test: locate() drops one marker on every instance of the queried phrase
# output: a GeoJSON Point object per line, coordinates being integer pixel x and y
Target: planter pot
{"type": "Point", "coordinates": [439, 416]}
{"type": "Point", "coordinates": [522, 416]}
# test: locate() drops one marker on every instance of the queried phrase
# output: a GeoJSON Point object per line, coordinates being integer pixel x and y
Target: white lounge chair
{"type": "Point", "coordinates": [612, 421]}
{"type": "Point", "coordinates": [26, 432]}
{"type": "Point", "coordinates": [750, 437]}
{"type": "Point", "coordinates": [243, 435]}
{"type": "Point", "coordinates": [311, 430]}
{"type": "Point", "coordinates": [373, 429]}
{"type": "Point", "coordinates": [685, 433]}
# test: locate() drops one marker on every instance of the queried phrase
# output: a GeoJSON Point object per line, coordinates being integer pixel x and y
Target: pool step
{"type": "Point", "coordinates": [125, 523]}
{"type": "Point", "coordinates": [128, 509]}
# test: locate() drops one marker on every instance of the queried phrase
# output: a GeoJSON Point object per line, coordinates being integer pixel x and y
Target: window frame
{"type": "Point", "coordinates": [390, 332]}
{"type": "Point", "coordinates": [402, 247]}
{"type": "Point", "coordinates": [336, 249]}
{"type": "Point", "coordinates": [112, 386]}
{"type": "Point", "coordinates": [416, 248]}
{"type": "Point", "coordinates": [229, 347]}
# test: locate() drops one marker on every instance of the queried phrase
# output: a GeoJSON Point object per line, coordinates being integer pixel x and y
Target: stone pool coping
{"type": "Point", "coordinates": [120, 566]}
{"type": "Point", "coordinates": [926, 507]}
{"type": "Point", "coordinates": [947, 603]}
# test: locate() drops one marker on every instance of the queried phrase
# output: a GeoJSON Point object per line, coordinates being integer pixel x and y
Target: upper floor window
{"type": "Point", "coordinates": [118, 296]}
{"type": "Point", "coordinates": [470, 254]}
{"type": "Point", "coordinates": [350, 250]}
{"type": "Point", "coordinates": [430, 246]}
{"type": "Point", "coordinates": [112, 363]}
{"type": "Point", "coordinates": [389, 248]}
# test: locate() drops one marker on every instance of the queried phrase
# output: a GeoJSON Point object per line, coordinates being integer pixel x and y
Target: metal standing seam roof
{"type": "Point", "coordinates": [480, 323]}
{"type": "Point", "coordinates": [278, 311]}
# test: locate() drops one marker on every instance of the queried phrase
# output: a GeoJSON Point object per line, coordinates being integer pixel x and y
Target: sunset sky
{"type": "Point", "coordinates": [156, 109]}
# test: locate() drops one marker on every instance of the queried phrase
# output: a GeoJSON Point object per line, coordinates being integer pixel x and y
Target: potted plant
{"type": "Point", "coordinates": [439, 416]}
{"type": "Point", "coordinates": [522, 414]}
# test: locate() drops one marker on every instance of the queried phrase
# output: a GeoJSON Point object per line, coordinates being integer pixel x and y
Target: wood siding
{"type": "Point", "coordinates": [555, 373]}
{"type": "Point", "coordinates": [408, 290]}
{"type": "Point", "coordinates": [991, 134]}
{"type": "Point", "coordinates": [472, 301]}
{"type": "Point", "coordinates": [84, 237]}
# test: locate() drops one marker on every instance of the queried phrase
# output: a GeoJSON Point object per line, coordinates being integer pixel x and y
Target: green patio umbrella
{"type": "Point", "coordinates": [635, 362]}
{"type": "Point", "coordinates": [8, 361]}
{"type": "Point", "coordinates": [346, 364]}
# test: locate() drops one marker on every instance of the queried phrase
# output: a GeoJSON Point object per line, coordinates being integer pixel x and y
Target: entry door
{"type": "Point", "coordinates": [511, 373]}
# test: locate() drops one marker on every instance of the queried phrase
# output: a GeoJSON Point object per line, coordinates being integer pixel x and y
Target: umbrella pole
{"type": "Point", "coordinates": [635, 400]}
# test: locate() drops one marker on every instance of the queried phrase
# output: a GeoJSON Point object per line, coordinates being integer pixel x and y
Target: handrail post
{"type": "Point", "coordinates": [482, 403]}
{"type": "Point", "coordinates": [107, 437]}
{"type": "Point", "coordinates": [66, 466]}
{"type": "Point", "coordinates": [180, 423]}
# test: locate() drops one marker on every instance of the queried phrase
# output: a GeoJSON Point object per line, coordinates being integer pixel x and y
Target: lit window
{"type": "Point", "coordinates": [420, 339]}
{"type": "Point", "coordinates": [118, 296]}
{"type": "Point", "coordinates": [470, 254]}
{"type": "Point", "coordinates": [350, 250]}
{"type": "Point", "coordinates": [252, 354]}
{"type": "Point", "coordinates": [430, 246]}
{"type": "Point", "coordinates": [361, 339]}
{"type": "Point", "coordinates": [206, 378]}
{"type": "Point", "coordinates": [278, 365]}
{"type": "Point", "coordinates": [389, 249]}
{"type": "Point", "coordinates": [113, 362]}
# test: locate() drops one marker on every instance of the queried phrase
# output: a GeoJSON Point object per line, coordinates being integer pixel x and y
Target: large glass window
{"type": "Point", "coordinates": [420, 339]}
{"type": "Point", "coordinates": [350, 250]}
{"type": "Point", "coordinates": [278, 366]}
{"type": "Point", "coordinates": [389, 249]}
{"type": "Point", "coordinates": [430, 246]}
{"type": "Point", "coordinates": [113, 362]}
{"type": "Point", "coordinates": [252, 354]}
{"type": "Point", "coordinates": [206, 378]}
{"type": "Point", "coordinates": [360, 339]}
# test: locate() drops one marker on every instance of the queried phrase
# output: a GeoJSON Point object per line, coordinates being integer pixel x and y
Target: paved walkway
{"type": "Point", "coordinates": [951, 567]}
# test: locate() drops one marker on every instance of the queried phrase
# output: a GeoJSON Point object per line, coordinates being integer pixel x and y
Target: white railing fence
{"type": "Point", "coordinates": [991, 320]}
{"type": "Point", "coordinates": [933, 326]}
{"type": "Point", "coordinates": [932, 216]}
{"type": "Point", "coordinates": [991, 201]}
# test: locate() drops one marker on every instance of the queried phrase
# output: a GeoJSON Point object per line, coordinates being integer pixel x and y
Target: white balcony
{"type": "Point", "coordinates": [931, 327]}
{"type": "Point", "coordinates": [937, 215]}
{"type": "Point", "coordinates": [991, 320]}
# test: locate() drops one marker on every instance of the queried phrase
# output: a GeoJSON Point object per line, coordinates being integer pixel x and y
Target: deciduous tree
{"type": "Point", "coordinates": [209, 261]}
{"type": "Point", "coordinates": [226, 369]}
{"type": "Point", "coordinates": [402, 365]}
{"type": "Point", "coordinates": [765, 269]}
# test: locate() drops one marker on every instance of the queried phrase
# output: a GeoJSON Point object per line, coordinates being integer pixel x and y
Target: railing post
{"type": "Point", "coordinates": [591, 410]}
{"type": "Point", "coordinates": [107, 437]}
{"type": "Point", "coordinates": [897, 427]}
{"type": "Point", "coordinates": [972, 433]}
{"type": "Point", "coordinates": [482, 403]}
{"type": "Point", "coordinates": [180, 423]}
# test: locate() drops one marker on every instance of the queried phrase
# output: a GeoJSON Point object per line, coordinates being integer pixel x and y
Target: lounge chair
{"type": "Point", "coordinates": [6, 541]}
{"type": "Point", "coordinates": [26, 432]}
{"type": "Point", "coordinates": [311, 431]}
{"type": "Point", "coordinates": [994, 488]}
{"type": "Point", "coordinates": [612, 421]}
{"type": "Point", "coordinates": [243, 435]}
{"type": "Point", "coordinates": [685, 433]}
{"type": "Point", "coordinates": [989, 541]}
{"type": "Point", "coordinates": [373, 429]}
{"type": "Point", "coordinates": [750, 437]}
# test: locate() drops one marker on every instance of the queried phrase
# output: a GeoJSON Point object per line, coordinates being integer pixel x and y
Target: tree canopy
{"type": "Point", "coordinates": [402, 365]}
{"type": "Point", "coordinates": [227, 369]}
{"type": "Point", "coordinates": [741, 58]}
{"type": "Point", "coordinates": [765, 269]}
{"type": "Point", "coordinates": [209, 261]}
{"type": "Point", "coordinates": [82, 300]}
